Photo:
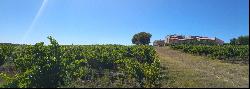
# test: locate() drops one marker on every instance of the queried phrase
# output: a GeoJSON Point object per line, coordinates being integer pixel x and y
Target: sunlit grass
{"type": "Point", "coordinates": [186, 70]}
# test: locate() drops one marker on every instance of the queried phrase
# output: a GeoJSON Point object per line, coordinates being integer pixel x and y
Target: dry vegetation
{"type": "Point", "coordinates": [186, 70]}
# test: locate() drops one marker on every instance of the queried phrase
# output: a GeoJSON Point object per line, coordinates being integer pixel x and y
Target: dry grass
{"type": "Point", "coordinates": [186, 70]}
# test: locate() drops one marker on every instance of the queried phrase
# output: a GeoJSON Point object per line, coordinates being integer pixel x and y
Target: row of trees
{"type": "Point", "coordinates": [242, 40]}
{"type": "Point", "coordinates": [143, 38]}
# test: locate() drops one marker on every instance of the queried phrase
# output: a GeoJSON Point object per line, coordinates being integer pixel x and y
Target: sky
{"type": "Point", "coordinates": [116, 21]}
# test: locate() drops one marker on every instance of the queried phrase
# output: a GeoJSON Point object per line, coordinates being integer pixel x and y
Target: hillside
{"type": "Point", "coordinates": [186, 70]}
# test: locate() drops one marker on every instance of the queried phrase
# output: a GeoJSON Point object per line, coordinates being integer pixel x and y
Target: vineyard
{"type": "Point", "coordinates": [109, 66]}
{"type": "Point", "coordinates": [229, 53]}
{"type": "Point", "coordinates": [54, 65]}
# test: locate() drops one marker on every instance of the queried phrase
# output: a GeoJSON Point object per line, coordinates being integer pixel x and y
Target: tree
{"type": "Point", "coordinates": [242, 40]}
{"type": "Point", "coordinates": [141, 38]}
{"type": "Point", "coordinates": [233, 41]}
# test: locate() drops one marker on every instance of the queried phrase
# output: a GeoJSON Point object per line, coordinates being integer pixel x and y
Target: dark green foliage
{"type": "Point", "coordinates": [6, 52]}
{"type": "Point", "coordinates": [242, 40]}
{"type": "Point", "coordinates": [231, 53]}
{"type": "Point", "coordinates": [233, 41]}
{"type": "Point", "coordinates": [2, 58]}
{"type": "Point", "coordinates": [54, 65]}
{"type": "Point", "coordinates": [141, 38]}
{"type": "Point", "coordinates": [196, 42]}
{"type": "Point", "coordinates": [40, 66]}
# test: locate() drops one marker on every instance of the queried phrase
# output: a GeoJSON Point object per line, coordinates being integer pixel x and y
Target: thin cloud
{"type": "Point", "coordinates": [39, 13]}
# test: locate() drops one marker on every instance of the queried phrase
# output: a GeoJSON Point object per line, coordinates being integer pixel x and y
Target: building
{"type": "Point", "coordinates": [159, 43]}
{"type": "Point", "coordinates": [219, 41]}
{"type": "Point", "coordinates": [173, 39]}
{"type": "Point", "coordinates": [177, 39]}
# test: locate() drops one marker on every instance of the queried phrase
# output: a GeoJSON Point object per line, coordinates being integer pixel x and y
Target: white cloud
{"type": "Point", "coordinates": [38, 14]}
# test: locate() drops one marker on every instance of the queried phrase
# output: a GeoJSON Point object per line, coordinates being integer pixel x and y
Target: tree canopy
{"type": "Point", "coordinates": [141, 38]}
{"type": "Point", "coordinates": [242, 40]}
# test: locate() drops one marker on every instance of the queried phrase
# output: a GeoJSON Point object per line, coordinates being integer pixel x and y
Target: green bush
{"type": "Point", "coordinates": [52, 66]}
{"type": "Point", "coordinates": [2, 58]}
{"type": "Point", "coordinates": [224, 52]}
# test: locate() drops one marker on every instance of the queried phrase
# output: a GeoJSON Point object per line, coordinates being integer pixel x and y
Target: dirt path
{"type": "Point", "coordinates": [186, 70]}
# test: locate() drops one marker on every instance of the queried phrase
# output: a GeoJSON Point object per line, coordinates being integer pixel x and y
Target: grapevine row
{"type": "Point", "coordinates": [57, 65]}
{"type": "Point", "coordinates": [239, 53]}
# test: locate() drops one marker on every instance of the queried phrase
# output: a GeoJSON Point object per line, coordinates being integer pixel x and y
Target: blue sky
{"type": "Point", "coordinates": [116, 21]}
